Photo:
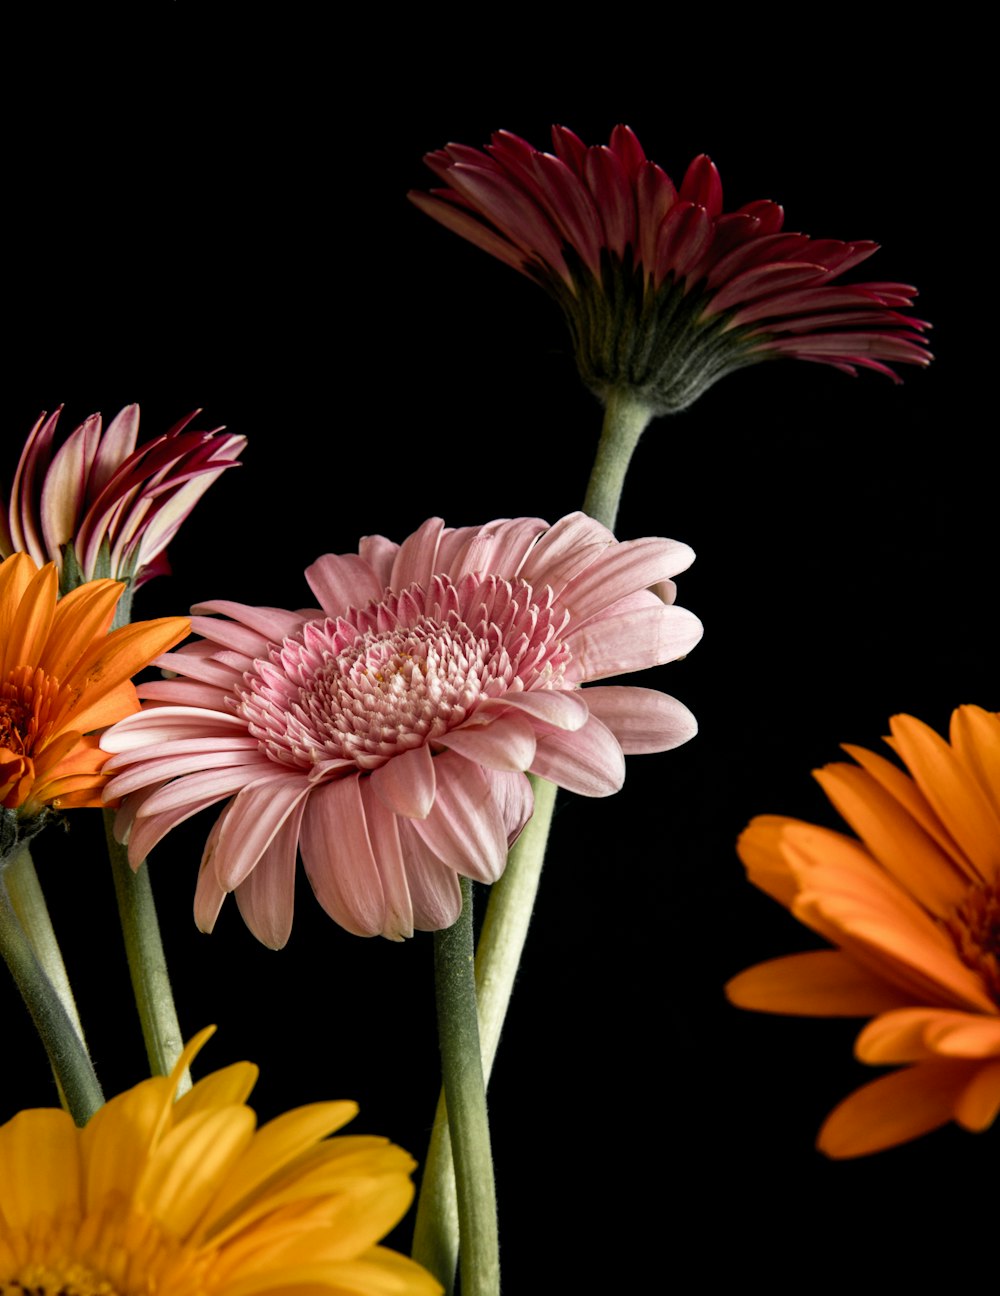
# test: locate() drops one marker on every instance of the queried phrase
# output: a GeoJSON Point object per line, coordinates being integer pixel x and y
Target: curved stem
{"type": "Point", "coordinates": [465, 1095]}
{"type": "Point", "coordinates": [73, 1069]}
{"type": "Point", "coordinates": [625, 419]}
{"type": "Point", "coordinates": [146, 959]}
{"type": "Point", "coordinates": [28, 900]}
{"type": "Point", "coordinates": [501, 941]}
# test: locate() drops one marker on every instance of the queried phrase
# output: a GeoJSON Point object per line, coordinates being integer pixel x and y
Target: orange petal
{"type": "Point", "coordinates": [975, 738]}
{"type": "Point", "coordinates": [903, 789]}
{"type": "Point", "coordinates": [895, 1109]}
{"type": "Point", "coordinates": [979, 1104]}
{"type": "Point", "coordinates": [16, 574]}
{"type": "Point", "coordinates": [894, 837]}
{"type": "Point", "coordinates": [82, 615]}
{"type": "Point", "coordinates": [823, 984]}
{"type": "Point", "coordinates": [956, 799]}
{"type": "Point", "coordinates": [916, 1034]}
{"type": "Point", "coordinates": [113, 660]}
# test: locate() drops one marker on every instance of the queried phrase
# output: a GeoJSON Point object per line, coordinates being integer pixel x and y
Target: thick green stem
{"type": "Point", "coordinates": [465, 1095]}
{"type": "Point", "coordinates": [505, 927]}
{"type": "Point", "coordinates": [146, 959]}
{"type": "Point", "coordinates": [625, 419]}
{"type": "Point", "coordinates": [28, 901]}
{"type": "Point", "coordinates": [73, 1069]}
{"type": "Point", "coordinates": [436, 1233]}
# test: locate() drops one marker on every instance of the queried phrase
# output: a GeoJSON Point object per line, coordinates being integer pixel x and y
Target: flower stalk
{"type": "Point", "coordinates": [501, 942]}
{"type": "Point", "coordinates": [626, 417]}
{"type": "Point", "coordinates": [28, 902]}
{"type": "Point", "coordinates": [465, 1095]}
{"type": "Point", "coordinates": [74, 1072]}
{"type": "Point", "coordinates": [146, 960]}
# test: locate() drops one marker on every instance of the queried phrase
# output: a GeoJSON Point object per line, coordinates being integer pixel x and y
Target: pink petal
{"type": "Point", "coordinates": [209, 896]}
{"type": "Point", "coordinates": [499, 548]}
{"type": "Point", "coordinates": [178, 692]}
{"type": "Point", "coordinates": [565, 550]}
{"type": "Point", "coordinates": [642, 720]}
{"type": "Point", "coordinates": [464, 829]}
{"type": "Point", "coordinates": [589, 762]}
{"type": "Point", "coordinates": [562, 708]}
{"type": "Point", "coordinates": [342, 581]}
{"type": "Point", "coordinates": [383, 832]}
{"type": "Point", "coordinates": [273, 623]}
{"type": "Point", "coordinates": [380, 554]}
{"type": "Point", "coordinates": [515, 800]}
{"type": "Point", "coordinates": [434, 889]}
{"type": "Point", "coordinates": [632, 641]}
{"type": "Point", "coordinates": [266, 898]}
{"type": "Point", "coordinates": [169, 723]}
{"type": "Point", "coordinates": [621, 570]}
{"type": "Point", "coordinates": [416, 561]}
{"type": "Point", "coordinates": [507, 743]}
{"type": "Point", "coordinates": [252, 822]}
{"type": "Point", "coordinates": [338, 859]}
{"type": "Point", "coordinates": [116, 445]}
{"type": "Point", "coordinates": [405, 784]}
{"type": "Point", "coordinates": [141, 773]}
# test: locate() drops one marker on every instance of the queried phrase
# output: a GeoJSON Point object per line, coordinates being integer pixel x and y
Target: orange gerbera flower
{"type": "Point", "coordinates": [63, 676]}
{"type": "Point", "coordinates": [914, 909]}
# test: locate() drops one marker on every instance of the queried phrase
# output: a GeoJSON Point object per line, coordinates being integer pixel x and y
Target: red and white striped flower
{"type": "Point", "coordinates": [98, 507]}
{"type": "Point", "coordinates": [386, 734]}
{"type": "Point", "coordinates": [664, 292]}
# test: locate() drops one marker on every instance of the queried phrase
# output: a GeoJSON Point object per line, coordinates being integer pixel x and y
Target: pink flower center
{"type": "Point", "coordinates": [359, 689]}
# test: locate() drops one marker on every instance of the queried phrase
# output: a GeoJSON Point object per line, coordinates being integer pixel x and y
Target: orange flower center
{"type": "Point", "coordinates": [14, 717]}
{"type": "Point", "coordinates": [975, 929]}
{"type": "Point", "coordinates": [29, 700]}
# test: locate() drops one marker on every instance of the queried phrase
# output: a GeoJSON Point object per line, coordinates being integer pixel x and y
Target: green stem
{"type": "Point", "coordinates": [146, 959]}
{"type": "Point", "coordinates": [465, 1095]}
{"type": "Point", "coordinates": [625, 419]}
{"type": "Point", "coordinates": [73, 1069]}
{"type": "Point", "coordinates": [512, 898]}
{"type": "Point", "coordinates": [28, 901]}
{"type": "Point", "coordinates": [508, 914]}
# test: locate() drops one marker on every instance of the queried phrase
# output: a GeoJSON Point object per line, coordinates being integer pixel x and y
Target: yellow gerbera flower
{"type": "Point", "coordinates": [186, 1198]}
{"type": "Point", "coordinates": [62, 676]}
{"type": "Point", "coordinates": [914, 909]}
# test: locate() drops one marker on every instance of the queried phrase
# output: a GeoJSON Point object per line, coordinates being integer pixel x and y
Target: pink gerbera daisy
{"type": "Point", "coordinates": [663, 291]}
{"type": "Point", "coordinates": [386, 733]}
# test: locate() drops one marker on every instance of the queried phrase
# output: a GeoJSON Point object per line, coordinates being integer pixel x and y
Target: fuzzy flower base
{"type": "Point", "coordinates": [386, 734]}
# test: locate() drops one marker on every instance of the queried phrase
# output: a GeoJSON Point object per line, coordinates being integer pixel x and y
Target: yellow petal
{"type": "Point", "coordinates": [39, 1167]}
{"type": "Point", "coordinates": [185, 1171]}
{"type": "Point", "coordinates": [274, 1148]}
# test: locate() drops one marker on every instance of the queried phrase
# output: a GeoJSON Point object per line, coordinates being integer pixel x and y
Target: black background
{"type": "Point", "coordinates": [215, 217]}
